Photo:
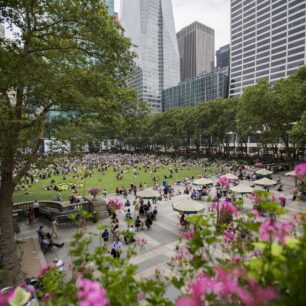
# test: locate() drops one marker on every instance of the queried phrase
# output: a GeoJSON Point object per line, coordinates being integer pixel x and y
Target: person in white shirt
{"type": "Point", "coordinates": [59, 264]}
{"type": "Point", "coordinates": [116, 249]}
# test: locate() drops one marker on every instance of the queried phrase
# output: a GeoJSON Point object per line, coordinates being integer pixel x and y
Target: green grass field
{"type": "Point", "coordinates": [107, 180]}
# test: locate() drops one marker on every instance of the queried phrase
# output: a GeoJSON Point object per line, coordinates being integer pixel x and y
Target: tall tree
{"type": "Point", "coordinates": [66, 55]}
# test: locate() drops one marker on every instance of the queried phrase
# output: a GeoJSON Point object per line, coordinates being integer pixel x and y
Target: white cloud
{"type": "Point", "coordinates": [213, 13]}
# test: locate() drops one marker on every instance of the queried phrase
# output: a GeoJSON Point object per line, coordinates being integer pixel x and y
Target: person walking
{"type": "Point", "coordinates": [54, 226]}
{"type": "Point", "coordinates": [116, 249]}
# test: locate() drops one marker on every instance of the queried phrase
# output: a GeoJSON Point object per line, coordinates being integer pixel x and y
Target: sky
{"type": "Point", "coordinates": [213, 13]}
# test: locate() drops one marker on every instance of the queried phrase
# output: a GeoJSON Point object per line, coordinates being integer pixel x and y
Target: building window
{"type": "Point", "coordinates": [278, 75]}
{"type": "Point", "coordinates": [298, 50]}
{"type": "Point", "coordinates": [297, 64]}
{"type": "Point", "coordinates": [280, 68]}
{"type": "Point", "coordinates": [262, 73]}
{"type": "Point", "coordinates": [296, 57]}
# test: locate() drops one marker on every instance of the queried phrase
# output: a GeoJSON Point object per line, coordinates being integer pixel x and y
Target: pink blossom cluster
{"type": "Point", "coordinates": [141, 241]}
{"type": "Point", "coordinates": [226, 287]}
{"type": "Point", "coordinates": [256, 216]}
{"type": "Point", "coordinates": [115, 204]}
{"type": "Point", "coordinates": [223, 181]}
{"type": "Point", "coordinates": [182, 254]}
{"type": "Point", "coordinates": [5, 298]}
{"type": "Point", "coordinates": [300, 170]}
{"type": "Point", "coordinates": [188, 234]}
{"type": "Point", "coordinates": [255, 198]}
{"type": "Point", "coordinates": [44, 269]}
{"type": "Point", "coordinates": [228, 207]}
{"type": "Point", "coordinates": [259, 165]}
{"type": "Point", "coordinates": [91, 293]}
{"type": "Point", "coordinates": [229, 235]}
{"type": "Point", "coordinates": [270, 230]}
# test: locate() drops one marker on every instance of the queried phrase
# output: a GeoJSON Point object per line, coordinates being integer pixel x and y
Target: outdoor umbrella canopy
{"type": "Point", "coordinates": [231, 176]}
{"type": "Point", "coordinates": [202, 182]}
{"type": "Point", "coordinates": [265, 182]}
{"type": "Point", "coordinates": [264, 172]}
{"type": "Point", "coordinates": [241, 188]}
{"type": "Point", "coordinates": [148, 194]}
{"type": "Point", "coordinates": [189, 206]}
{"type": "Point", "coordinates": [291, 173]}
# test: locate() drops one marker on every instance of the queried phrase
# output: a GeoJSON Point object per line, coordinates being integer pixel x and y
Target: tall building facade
{"type": "Point", "coordinates": [209, 86]}
{"type": "Point", "coordinates": [110, 6]}
{"type": "Point", "coordinates": [196, 44]}
{"type": "Point", "coordinates": [223, 56]}
{"type": "Point", "coordinates": [267, 41]}
{"type": "Point", "coordinates": [2, 31]}
{"type": "Point", "coordinates": [150, 25]}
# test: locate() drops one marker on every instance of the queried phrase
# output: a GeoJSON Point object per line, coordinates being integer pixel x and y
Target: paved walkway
{"type": "Point", "coordinates": [162, 238]}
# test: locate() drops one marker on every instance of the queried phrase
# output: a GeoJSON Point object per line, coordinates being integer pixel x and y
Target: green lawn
{"type": "Point", "coordinates": [107, 180]}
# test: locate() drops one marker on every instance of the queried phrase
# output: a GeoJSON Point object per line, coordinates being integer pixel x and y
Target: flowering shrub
{"type": "Point", "coordinates": [223, 181]}
{"type": "Point", "coordinates": [300, 171]}
{"type": "Point", "coordinates": [115, 204]}
{"type": "Point", "coordinates": [94, 191]}
{"type": "Point", "coordinates": [141, 241]}
{"type": "Point", "coordinates": [91, 293]}
{"type": "Point", "coordinates": [264, 262]}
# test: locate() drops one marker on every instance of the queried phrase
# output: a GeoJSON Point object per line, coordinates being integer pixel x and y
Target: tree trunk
{"type": "Point", "coordinates": [7, 242]}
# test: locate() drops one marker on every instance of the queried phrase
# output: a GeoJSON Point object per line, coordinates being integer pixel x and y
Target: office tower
{"type": "Point", "coordinates": [2, 31]}
{"type": "Point", "coordinates": [267, 41]}
{"type": "Point", "coordinates": [110, 6]}
{"type": "Point", "coordinates": [223, 56]}
{"type": "Point", "coordinates": [208, 86]}
{"type": "Point", "coordinates": [196, 44]}
{"type": "Point", "coordinates": [150, 25]}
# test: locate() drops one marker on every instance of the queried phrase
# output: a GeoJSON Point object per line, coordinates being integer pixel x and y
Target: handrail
{"type": "Point", "coordinates": [61, 206]}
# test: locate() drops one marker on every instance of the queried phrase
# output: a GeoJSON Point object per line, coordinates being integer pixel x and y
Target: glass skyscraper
{"type": "Point", "coordinates": [268, 40]}
{"type": "Point", "coordinates": [206, 87]}
{"type": "Point", "coordinates": [150, 25]}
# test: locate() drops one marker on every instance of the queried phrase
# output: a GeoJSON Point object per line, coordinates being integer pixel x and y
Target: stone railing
{"type": "Point", "coordinates": [60, 206]}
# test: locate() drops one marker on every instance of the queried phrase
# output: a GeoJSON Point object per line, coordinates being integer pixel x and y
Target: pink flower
{"type": "Point", "coordinates": [91, 293]}
{"type": "Point", "coordinates": [229, 208]}
{"type": "Point", "coordinates": [43, 270]}
{"type": "Point", "coordinates": [94, 191]}
{"type": "Point", "coordinates": [256, 216]}
{"type": "Point", "coordinates": [225, 286]}
{"type": "Point", "coordinates": [3, 299]}
{"type": "Point", "coordinates": [188, 234]}
{"type": "Point", "coordinates": [115, 204]}
{"type": "Point", "coordinates": [280, 230]}
{"type": "Point", "coordinates": [300, 170]}
{"type": "Point", "coordinates": [259, 165]}
{"type": "Point", "coordinates": [141, 241]}
{"type": "Point", "coordinates": [229, 235]}
{"type": "Point", "coordinates": [223, 181]}
{"type": "Point", "coordinates": [255, 198]}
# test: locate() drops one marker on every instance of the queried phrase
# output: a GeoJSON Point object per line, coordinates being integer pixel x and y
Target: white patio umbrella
{"type": "Point", "coordinates": [264, 172]}
{"type": "Point", "coordinates": [148, 194]}
{"type": "Point", "coordinates": [265, 182]}
{"type": "Point", "coordinates": [231, 176]}
{"type": "Point", "coordinates": [202, 182]}
{"type": "Point", "coordinates": [291, 173]}
{"type": "Point", "coordinates": [189, 206]}
{"type": "Point", "coordinates": [241, 188]}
